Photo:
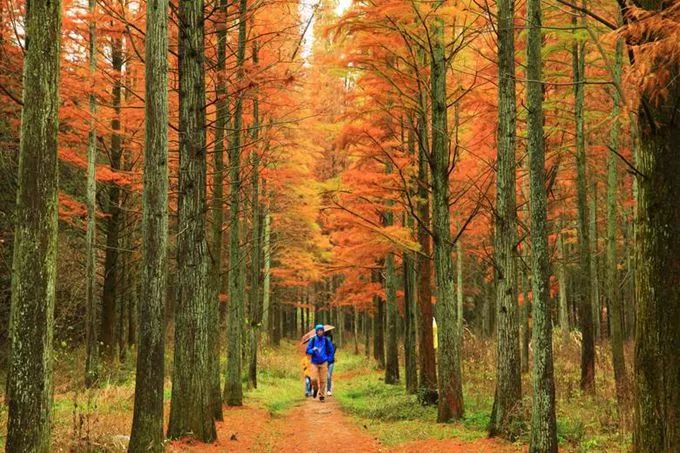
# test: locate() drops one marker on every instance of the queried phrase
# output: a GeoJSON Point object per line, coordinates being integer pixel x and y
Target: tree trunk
{"type": "Point", "coordinates": [256, 252]}
{"type": "Point", "coordinates": [594, 277]}
{"type": "Point", "coordinates": [450, 403]}
{"type": "Point", "coordinates": [221, 121]}
{"type": "Point", "coordinates": [657, 266]}
{"type": "Point", "coordinates": [525, 331]}
{"type": "Point", "coordinates": [147, 422]}
{"type": "Point", "coordinates": [563, 283]}
{"type": "Point", "coordinates": [585, 309]}
{"type": "Point", "coordinates": [110, 297]}
{"type": "Point", "coordinates": [233, 389]}
{"type": "Point", "coordinates": [266, 284]}
{"type": "Point", "coordinates": [35, 238]}
{"type": "Point", "coordinates": [392, 315]}
{"type": "Point", "coordinates": [91, 340]}
{"type": "Point", "coordinates": [410, 359]}
{"type": "Point", "coordinates": [191, 407]}
{"type": "Point", "coordinates": [543, 437]}
{"type": "Point", "coordinates": [378, 333]}
{"type": "Point", "coordinates": [508, 365]}
{"type": "Point", "coordinates": [612, 284]}
{"type": "Point", "coordinates": [426, 353]}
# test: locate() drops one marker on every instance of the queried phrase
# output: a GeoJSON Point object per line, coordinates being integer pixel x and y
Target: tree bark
{"type": "Point", "coordinates": [450, 403]}
{"type": "Point", "coordinates": [508, 364]}
{"type": "Point", "coordinates": [109, 313]}
{"type": "Point", "coordinates": [30, 385]}
{"type": "Point", "coordinates": [147, 422]}
{"type": "Point", "coordinates": [657, 267]}
{"type": "Point", "coordinates": [221, 121]}
{"type": "Point", "coordinates": [410, 359]}
{"type": "Point", "coordinates": [392, 316]}
{"type": "Point", "coordinates": [585, 310]}
{"type": "Point", "coordinates": [426, 353]}
{"type": "Point", "coordinates": [543, 438]}
{"type": "Point", "coordinates": [614, 301]}
{"type": "Point", "coordinates": [233, 389]}
{"type": "Point", "coordinates": [91, 316]}
{"type": "Point", "coordinates": [191, 408]}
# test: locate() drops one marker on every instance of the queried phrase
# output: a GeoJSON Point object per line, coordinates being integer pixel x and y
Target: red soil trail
{"type": "Point", "coordinates": [316, 427]}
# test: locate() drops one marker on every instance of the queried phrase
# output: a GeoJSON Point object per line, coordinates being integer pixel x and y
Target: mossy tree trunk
{"type": "Point", "coordinates": [392, 319]}
{"type": "Point", "coordinates": [216, 284]}
{"type": "Point", "coordinates": [543, 438]}
{"type": "Point", "coordinates": [426, 353]}
{"type": "Point", "coordinates": [614, 297]}
{"type": "Point", "coordinates": [233, 389]}
{"type": "Point", "coordinates": [657, 263]}
{"type": "Point", "coordinates": [585, 310]}
{"type": "Point", "coordinates": [30, 386]}
{"type": "Point", "coordinates": [147, 422]}
{"type": "Point", "coordinates": [91, 317]}
{"type": "Point", "coordinates": [109, 313]}
{"type": "Point", "coordinates": [191, 408]}
{"type": "Point", "coordinates": [508, 372]}
{"type": "Point", "coordinates": [450, 403]}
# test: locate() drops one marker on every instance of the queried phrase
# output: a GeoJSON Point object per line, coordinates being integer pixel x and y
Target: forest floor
{"type": "Point", "coordinates": [363, 415]}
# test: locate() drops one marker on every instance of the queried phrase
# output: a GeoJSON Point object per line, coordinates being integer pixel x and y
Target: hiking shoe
{"type": "Point", "coordinates": [322, 399]}
{"type": "Point", "coordinates": [329, 393]}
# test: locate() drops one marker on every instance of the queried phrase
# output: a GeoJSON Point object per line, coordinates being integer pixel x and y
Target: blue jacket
{"type": "Point", "coordinates": [331, 357]}
{"type": "Point", "coordinates": [321, 349]}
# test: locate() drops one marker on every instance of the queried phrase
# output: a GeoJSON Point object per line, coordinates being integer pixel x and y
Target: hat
{"type": "Point", "coordinates": [319, 326]}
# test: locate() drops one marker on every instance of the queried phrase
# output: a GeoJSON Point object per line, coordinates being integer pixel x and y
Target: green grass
{"type": "Point", "coordinates": [395, 417]}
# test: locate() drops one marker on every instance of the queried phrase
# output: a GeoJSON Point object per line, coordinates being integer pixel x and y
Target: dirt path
{"type": "Point", "coordinates": [320, 427]}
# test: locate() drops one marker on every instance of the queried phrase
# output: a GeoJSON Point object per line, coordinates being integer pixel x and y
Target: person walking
{"type": "Point", "coordinates": [331, 365]}
{"type": "Point", "coordinates": [319, 350]}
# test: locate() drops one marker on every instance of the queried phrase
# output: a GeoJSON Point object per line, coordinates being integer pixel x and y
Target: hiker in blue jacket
{"type": "Point", "coordinates": [319, 349]}
{"type": "Point", "coordinates": [331, 365]}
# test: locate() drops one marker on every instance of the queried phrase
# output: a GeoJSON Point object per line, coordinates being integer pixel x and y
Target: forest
{"type": "Point", "coordinates": [477, 199]}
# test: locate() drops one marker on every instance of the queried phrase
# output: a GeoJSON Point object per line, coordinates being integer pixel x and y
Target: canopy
{"type": "Point", "coordinates": [308, 336]}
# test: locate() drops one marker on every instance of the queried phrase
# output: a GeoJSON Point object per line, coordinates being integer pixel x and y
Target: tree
{"type": "Point", "coordinates": [191, 406]}
{"type": "Point", "coordinates": [233, 389]}
{"type": "Point", "coordinates": [543, 423]}
{"type": "Point", "coordinates": [585, 309]}
{"type": "Point", "coordinates": [91, 341]}
{"type": "Point", "coordinates": [508, 372]}
{"type": "Point", "coordinates": [652, 38]}
{"type": "Point", "coordinates": [34, 268]}
{"type": "Point", "coordinates": [611, 288]}
{"type": "Point", "coordinates": [450, 404]}
{"type": "Point", "coordinates": [147, 421]}
{"type": "Point", "coordinates": [221, 121]}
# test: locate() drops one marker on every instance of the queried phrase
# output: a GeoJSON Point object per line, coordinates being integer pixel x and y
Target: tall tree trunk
{"type": "Point", "coordinates": [266, 270]}
{"type": "Point", "coordinates": [147, 422]}
{"type": "Point", "coordinates": [584, 290]}
{"type": "Point", "coordinates": [221, 121]}
{"type": "Point", "coordinates": [525, 331]}
{"type": "Point", "coordinates": [614, 301]}
{"type": "Point", "coordinates": [562, 279]}
{"type": "Point", "coordinates": [410, 359]}
{"type": "Point", "coordinates": [256, 252]}
{"type": "Point", "coordinates": [460, 322]}
{"type": "Point", "coordinates": [34, 266]}
{"type": "Point", "coordinates": [657, 266]}
{"type": "Point", "coordinates": [391, 343]}
{"type": "Point", "coordinates": [355, 329]}
{"type": "Point", "coordinates": [233, 389]}
{"type": "Point", "coordinates": [543, 424]}
{"type": "Point", "coordinates": [110, 296]}
{"type": "Point", "coordinates": [426, 353]}
{"type": "Point", "coordinates": [378, 333]}
{"type": "Point", "coordinates": [191, 408]}
{"type": "Point", "coordinates": [594, 277]}
{"type": "Point", "coordinates": [508, 365]}
{"type": "Point", "coordinates": [91, 340]}
{"type": "Point", "coordinates": [450, 404]}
